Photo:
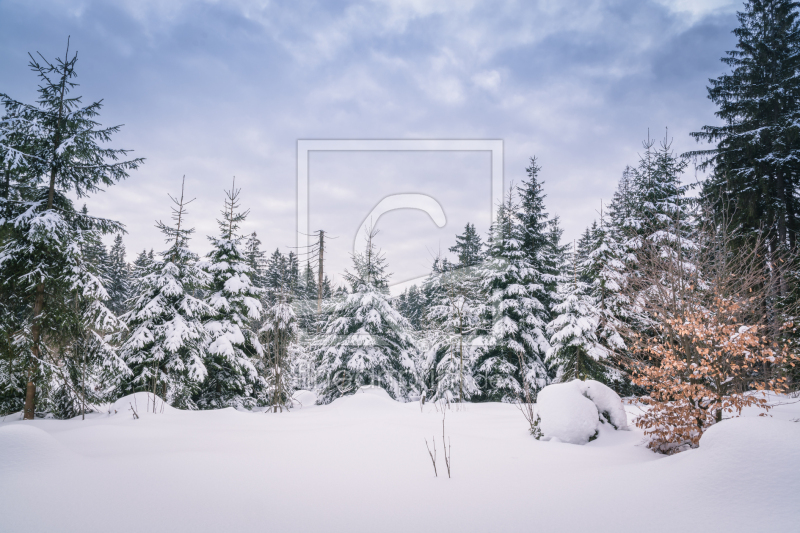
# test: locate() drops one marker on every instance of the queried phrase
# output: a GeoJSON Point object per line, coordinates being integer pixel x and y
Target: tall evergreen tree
{"type": "Point", "coordinates": [411, 306]}
{"type": "Point", "coordinates": [603, 270]}
{"type": "Point", "coordinates": [576, 350]}
{"type": "Point", "coordinates": [306, 301]}
{"type": "Point", "coordinates": [457, 316]}
{"type": "Point", "coordinates": [62, 154]}
{"type": "Point", "coordinates": [233, 348]}
{"type": "Point", "coordinates": [468, 247]}
{"type": "Point", "coordinates": [754, 181]}
{"type": "Point", "coordinates": [165, 344]}
{"type": "Point", "coordinates": [118, 277]}
{"type": "Point", "coordinates": [540, 243]}
{"type": "Point", "coordinates": [280, 333]}
{"type": "Point", "coordinates": [277, 276]}
{"type": "Point", "coordinates": [256, 259]}
{"type": "Point", "coordinates": [518, 340]}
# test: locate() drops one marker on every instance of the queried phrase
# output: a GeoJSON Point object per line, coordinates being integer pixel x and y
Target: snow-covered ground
{"type": "Point", "coordinates": [360, 464]}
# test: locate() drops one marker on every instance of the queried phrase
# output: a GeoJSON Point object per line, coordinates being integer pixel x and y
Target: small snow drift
{"type": "Point", "coordinates": [369, 397]}
{"type": "Point", "coordinates": [25, 447]}
{"type": "Point", "coordinates": [304, 398]}
{"type": "Point", "coordinates": [572, 412]}
{"type": "Point", "coordinates": [141, 403]}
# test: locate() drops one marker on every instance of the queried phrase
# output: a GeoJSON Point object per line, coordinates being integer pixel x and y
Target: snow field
{"type": "Point", "coordinates": [360, 464]}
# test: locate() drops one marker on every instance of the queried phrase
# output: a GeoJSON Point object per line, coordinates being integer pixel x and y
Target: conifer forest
{"type": "Point", "coordinates": [644, 376]}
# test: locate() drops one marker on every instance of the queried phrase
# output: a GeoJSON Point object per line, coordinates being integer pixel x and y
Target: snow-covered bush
{"type": "Point", "coordinates": [572, 412]}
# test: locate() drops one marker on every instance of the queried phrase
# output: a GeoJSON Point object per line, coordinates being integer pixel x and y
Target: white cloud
{"type": "Point", "coordinates": [696, 10]}
{"type": "Point", "coordinates": [488, 80]}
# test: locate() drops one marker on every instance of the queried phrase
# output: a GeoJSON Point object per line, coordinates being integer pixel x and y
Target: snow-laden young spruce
{"type": "Point", "coordinates": [165, 343]}
{"type": "Point", "coordinates": [455, 317]}
{"type": "Point", "coordinates": [366, 341]}
{"type": "Point", "coordinates": [514, 359]}
{"type": "Point", "coordinates": [233, 348]}
{"type": "Point", "coordinates": [603, 269]}
{"type": "Point", "coordinates": [51, 150]}
{"type": "Point", "coordinates": [540, 244]}
{"type": "Point", "coordinates": [280, 334]}
{"type": "Point", "coordinates": [660, 216]}
{"type": "Point", "coordinates": [576, 351]}
{"type": "Point", "coordinates": [118, 277]}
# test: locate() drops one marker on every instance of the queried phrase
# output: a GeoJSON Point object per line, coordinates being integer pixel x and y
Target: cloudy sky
{"type": "Point", "coordinates": [217, 89]}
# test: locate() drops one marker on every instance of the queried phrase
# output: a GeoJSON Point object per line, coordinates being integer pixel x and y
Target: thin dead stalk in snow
{"type": "Point", "coordinates": [447, 453]}
{"type": "Point", "coordinates": [433, 456]}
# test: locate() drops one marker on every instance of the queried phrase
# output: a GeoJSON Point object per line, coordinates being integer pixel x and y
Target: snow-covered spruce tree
{"type": "Point", "coordinates": [622, 236]}
{"type": "Point", "coordinates": [305, 302]}
{"type": "Point", "coordinates": [365, 340]}
{"type": "Point", "coordinates": [118, 285]}
{"type": "Point", "coordinates": [754, 179]}
{"type": "Point", "coordinates": [457, 317]}
{"type": "Point", "coordinates": [77, 367]}
{"type": "Point", "coordinates": [663, 216]}
{"type": "Point", "coordinates": [61, 154]}
{"type": "Point", "coordinates": [165, 345]}
{"type": "Point", "coordinates": [276, 276]}
{"type": "Point", "coordinates": [540, 243]}
{"type": "Point", "coordinates": [13, 303]}
{"type": "Point", "coordinates": [576, 351]}
{"type": "Point", "coordinates": [87, 369]}
{"type": "Point", "coordinates": [280, 334]}
{"type": "Point", "coordinates": [410, 304]}
{"type": "Point", "coordinates": [233, 348]}
{"type": "Point", "coordinates": [512, 364]}
{"type": "Point", "coordinates": [468, 247]}
{"type": "Point", "coordinates": [256, 259]}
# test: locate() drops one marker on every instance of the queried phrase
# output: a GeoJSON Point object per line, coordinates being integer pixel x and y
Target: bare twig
{"type": "Point", "coordinates": [433, 456]}
{"type": "Point", "coordinates": [447, 452]}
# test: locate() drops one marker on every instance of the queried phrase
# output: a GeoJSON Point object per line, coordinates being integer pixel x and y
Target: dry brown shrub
{"type": "Point", "coordinates": [712, 366]}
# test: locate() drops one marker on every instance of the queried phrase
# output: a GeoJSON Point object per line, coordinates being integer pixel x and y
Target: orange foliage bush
{"type": "Point", "coordinates": [704, 365]}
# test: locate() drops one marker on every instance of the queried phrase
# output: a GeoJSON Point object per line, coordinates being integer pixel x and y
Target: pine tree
{"type": "Point", "coordinates": [280, 333]}
{"type": "Point", "coordinates": [165, 346]}
{"type": "Point", "coordinates": [366, 341]}
{"type": "Point", "coordinates": [294, 274]}
{"type": "Point", "coordinates": [61, 153]}
{"type": "Point", "coordinates": [603, 270]}
{"type": "Point", "coordinates": [256, 260]}
{"type": "Point", "coordinates": [514, 362]}
{"type": "Point", "coordinates": [277, 276]}
{"type": "Point", "coordinates": [306, 302]}
{"type": "Point", "coordinates": [468, 247]}
{"type": "Point", "coordinates": [118, 277]}
{"type": "Point", "coordinates": [754, 182]}
{"type": "Point", "coordinates": [576, 351]}
{"type": "Point", "coordinates": [233, 347]}
{"type": "Point", "coordinates": [457, 317]}
{"type": "Point", "coordinates": [541, 245]}
{"type": "Point", "coordinates": [410, 304]}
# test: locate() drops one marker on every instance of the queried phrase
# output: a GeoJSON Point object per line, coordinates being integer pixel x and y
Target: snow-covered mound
{"type": "Point", "coordinates": [304, 398]}
{"type": "Point", "coordinates": [753, 441]}
{"type": "Point", "coordinates": [143, 403]}
{"type": "Point", "coordinates": [608, 402]}
{"type": "Point", "coordinates": [366, 397]}
{"type": "Point", "coordinates": [23, 446]}
{"type": "Point", "coordinates": [573, 411]}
